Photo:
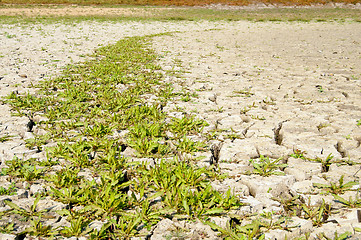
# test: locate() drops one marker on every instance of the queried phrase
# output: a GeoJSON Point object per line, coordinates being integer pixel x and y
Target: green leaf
{"type": "Point", "coordinates": [186, 207]}
{"type": "Point", "coordinates": [214, 211]}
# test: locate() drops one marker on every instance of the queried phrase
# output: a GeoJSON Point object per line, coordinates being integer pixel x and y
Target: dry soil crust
{"type": "Point", "coordinates": [60, 11]}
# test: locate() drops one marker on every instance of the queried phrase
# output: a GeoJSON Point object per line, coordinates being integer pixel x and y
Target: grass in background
{"type": "Point", "coordinates": [195, 14]}
{"type": "Point", "coordinates": [176, 2]}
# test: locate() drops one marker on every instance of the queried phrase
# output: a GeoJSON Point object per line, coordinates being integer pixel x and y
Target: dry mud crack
{"type": "Point", "coordinates": [269, 89]}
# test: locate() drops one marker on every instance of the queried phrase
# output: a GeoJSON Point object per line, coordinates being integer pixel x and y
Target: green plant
{"type": "Point", "coordinates": [233, 135]}
{"type": "Point", "coordinates": [11, 190]}
{"type": "Point", "coordinates": [187, 145]}
{"type": "Point", "coordinates": [78, 227]}
{"type": "Point", "coordinates": [5, 138]}
{"type": "Point", "coordinates": [65, 177]}
{"type": "Point", "coordinates": [318, 214]}
{"type": "Point", "coordinates": [298, 154]}
{"type": "Point", "coordinates": [320, 88]}
{"type": "Point", "coordinates": [351, 203]}
{"type": "Point", "coordinates": [335, 188]}
{"type": "Point", "coordinates": [125, 226]}
{"type": "Point", "coordinates": [38, 229]}
{"type": "Point", "coordinates": [7, 228]}
{"type": "Point", "coordinates": [238, 232]}
{"type": "Point", "coordinates": [246, 92]}
{"type": "Point", "coordinates": [292, 205]}
{"type": "Point", "coordinates": [343, 236]}
{"type": "Point", "coordinates": [25, 213]}
{"type": "Point", "coordinates": [270, 220]}
{"type": "Point", "coordinates": [322, 125]}
{"type": "Point", "coordinates": [264, 166]}
{"type": "Point", "coordinates": [358, 122]}
{"type": "Point", "coordinates": [268, 101]}
{"type": "Point", "coordinates": [187, 125]}
{"type": "Point", "coordinates": [27, 171]}
{"type": "Point", "coordinates": [326, 163]}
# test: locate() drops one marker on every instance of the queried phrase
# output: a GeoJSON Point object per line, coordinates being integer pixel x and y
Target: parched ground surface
{"type": "Point", "coordinates": [274, 87]}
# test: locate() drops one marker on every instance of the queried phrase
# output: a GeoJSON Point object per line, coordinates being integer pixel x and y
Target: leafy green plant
{"type": "Point", "coordinates": [320, 88]}
{"type": "Point", "coordinates": [343, 236]}
{"type": "Point", "coordinates": [297, 153]}
{"type": "Point", "coordinates": [125, 226]}
{"type": "Point", "coordinates": [69, 195]}
{"type": "Point", "coordinates": [292, 205]}
{"type": "Point", "coordinates": [358, 122]}
{"type": "Point", "coordinates": [25, 213]}
{"type": "Point", "coordinates": [238, 232]}
{"type": "Point", "coordinates": [7, 228]}
{"type": "Point", "coordinates": [318, 214]}
{"type": "Point", "coordinates": [187, 125]}
{"type": "Point", "coordinates": [37, 142]}
{"type": "Point", "coordinates": [264, 166]}
{"type": "Point", "coordinates": [246, 92]}
{"type": "Point", "coordinates": [326, 163]}
{"type": "Point", "coordinates": [5, 138]}
{"type": "Point", "coordinates": [336, 188]}
{"type": "Point", "coordinates": [187, 145]}
{"type": "Point", "coordinates": [351, 203]}
{"type": "Point", "coordinates": [78, 227]}
{"type": "Point", "coordinates": [27, 171]}
{"type": "Point", "coordinates": [11, 190]}
{"type": "Point", "coordinates": [322, 125]}
{"type": "Point", "coordinates": [38, 229]}
{"type": "Point", "coordinates": [65, 177]}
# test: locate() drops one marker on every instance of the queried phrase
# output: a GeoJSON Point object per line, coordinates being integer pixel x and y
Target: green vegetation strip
{"type": "Point", "coordinates": [83, 111]}
{"type": "Point", "coordinates": [196, 14]}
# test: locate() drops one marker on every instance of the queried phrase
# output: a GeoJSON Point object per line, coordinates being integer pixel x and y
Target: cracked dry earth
{"type": "Point", "coordinates": [269, 89]}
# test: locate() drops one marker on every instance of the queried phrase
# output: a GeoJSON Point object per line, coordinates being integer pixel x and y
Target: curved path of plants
{"type": "Point", "coordinates": [91, 115]}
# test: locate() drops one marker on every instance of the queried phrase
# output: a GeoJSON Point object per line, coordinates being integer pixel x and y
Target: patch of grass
{"type": "Point", "coordinates": [244, 93]}
{"type": "Point", "coordinates": [318, 213]}
{"type": "Point", "coordinates": [326, 163]}
{"type": "Point", "coordinates": [350, 203]}
{"type": "Point", "coordinates": [11, 190]}
{"type": "Point", "coordinates": [191, 14]}
{"type": "Point", "coordinates": [85, 113]}
{"type": "Point", "coordinates": [336, 188]}
{"type": "Point", "coordinates": [5, 138]}
{"type": "Point", "coordinates": [265, 166]}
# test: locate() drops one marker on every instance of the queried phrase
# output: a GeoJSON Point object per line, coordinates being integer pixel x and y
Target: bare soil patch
{"type": "Point", "coordinates": [74, 11]}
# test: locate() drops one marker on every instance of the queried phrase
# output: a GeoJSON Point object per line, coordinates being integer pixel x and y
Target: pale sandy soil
{"type": "Point", "coordinates": [60, 11]}
{"type": "Point", "coordinates": [284, 66]}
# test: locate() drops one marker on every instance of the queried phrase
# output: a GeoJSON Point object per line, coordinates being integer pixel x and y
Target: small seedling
{"type": "Point", "coordinates": [38, 229]}
{"type": "Point", "coordinates": [244, 93]}
{"type": "Point", "coordinates": [265, 167]}
{"type": "Point", "coordinates": [325, 163]}
{"type": "Point", "coordinates": [335, 188]}
{"type": "Point", "coordinates": [351, 203]}
{"type": "Point", "coordinates": [343, 236]}
{"type": "Point", "coordinates": [298, 154]}
{"type": "Point", "coordinates": [11, 190]}
{"type": "Point", "coordinates": [5, 138]}
{"type": "Point", "coordinates": [7, 228]}
{"type": "Point", "coordinates": [320, 89]}
{"type": "Point", "coordinates": [318, 214]}
{"type": "Point", "coordinates": [322, 125]}
{"type": "Point", "coordinates": [25, 213]}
